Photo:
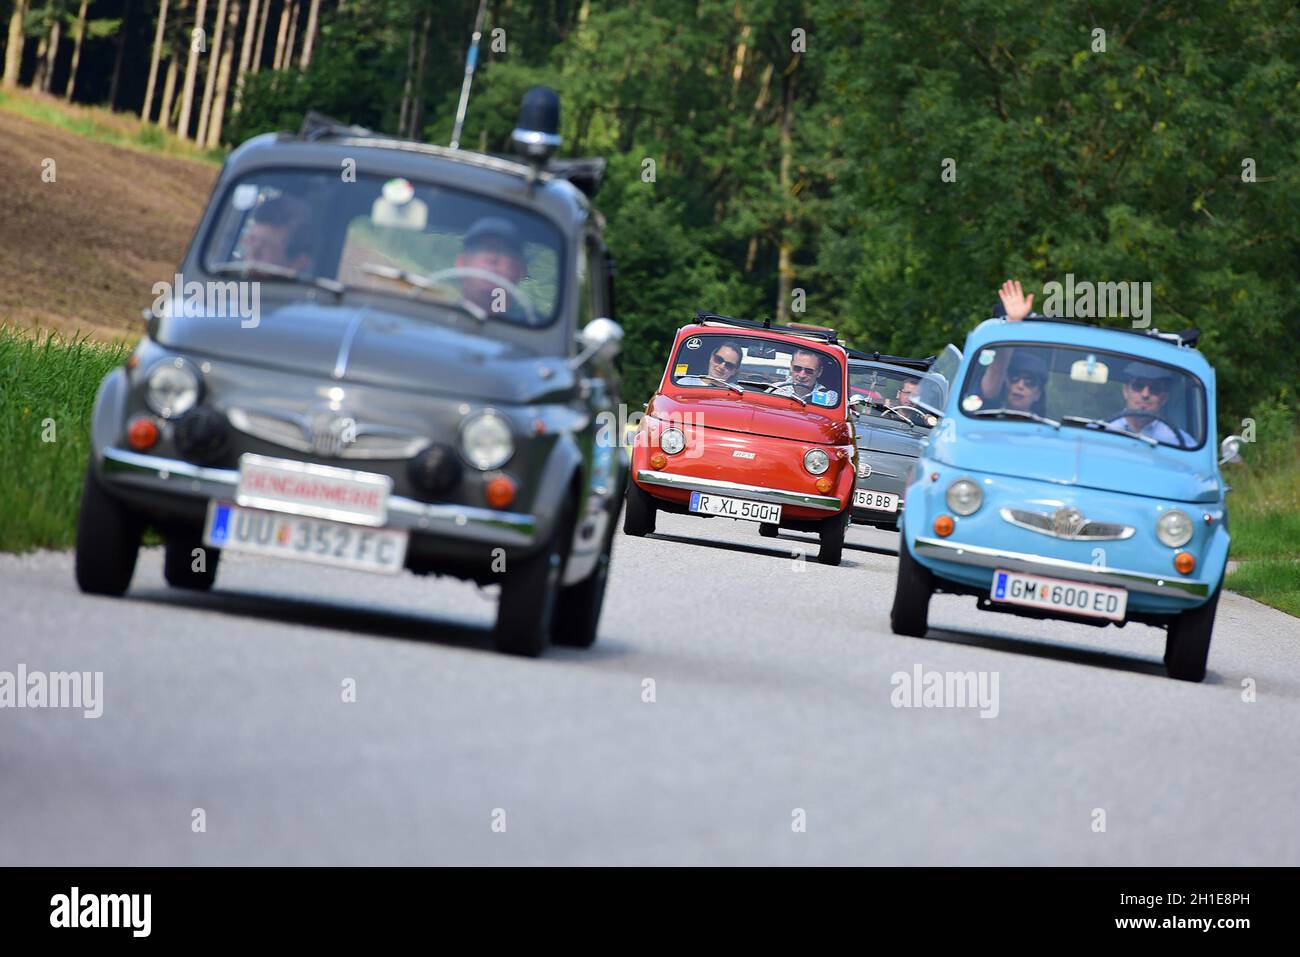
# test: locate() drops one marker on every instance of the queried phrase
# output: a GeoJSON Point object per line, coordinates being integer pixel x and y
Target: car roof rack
{"type": "Point", "coordinates": [820, 333]}
{"type": "Point", "coordinates": [1187, 337]}
{"type": "Point", "coordinates": [923, 365]}
{"type": "Point", "coordinates": [318, 126]}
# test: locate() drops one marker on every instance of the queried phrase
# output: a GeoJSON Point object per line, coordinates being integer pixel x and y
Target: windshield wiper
{"type": "Point", "coordinates": [416, 281]}
{"type": "Point", "coordinates": [1019, 413]}
{"type": "Point", "coordinates": [713, 378]}
{"type": "Point", "coordinates": [767, 385]}
{"type": "Point", "coordinates": [252, 267]}
{"type": "Point", "coordinates": [1105, 426]}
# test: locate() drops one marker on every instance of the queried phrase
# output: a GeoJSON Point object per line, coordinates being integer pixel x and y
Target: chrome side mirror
{"type": "Point", "coordinates": [1228, 450]}
{"type": "Point", "coordinates": [603, 337]}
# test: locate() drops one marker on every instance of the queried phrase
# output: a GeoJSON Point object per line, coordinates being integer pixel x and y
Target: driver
{"type": "Point", "coordinates": [1146, 390]}
{"type": "Point", "coordinates": [805, 371]}
{"type": "Point", "coordinates": [493, 246]}
{"type": "Point", "coordinates": [907, 390]}
{"type": "Point", "coordinates": [277, 237]}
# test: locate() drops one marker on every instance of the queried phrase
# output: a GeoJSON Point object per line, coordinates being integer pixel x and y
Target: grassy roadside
{"type": "Point", "coordinates": [104, 126]}
{"type": "Point", "coordinates": [47, 392]}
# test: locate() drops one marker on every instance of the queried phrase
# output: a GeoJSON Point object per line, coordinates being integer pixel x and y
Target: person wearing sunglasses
{"type": "Point", "coordinates": [1146, 390]}
{"type": "Point", "coordinates": [724, 365]}
{"type": "Point", "coordinates": [805, 371]}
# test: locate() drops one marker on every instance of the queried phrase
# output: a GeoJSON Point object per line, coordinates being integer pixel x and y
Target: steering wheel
{"type": "Point", "coordinates": [903, 411]}
{"type": "Point", "coordinates": [1178, 433]}
{"type": "Point", "coordinates": [456, 272]}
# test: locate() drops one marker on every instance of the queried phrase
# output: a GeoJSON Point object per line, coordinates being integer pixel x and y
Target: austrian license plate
{"type": "Point", "coordinates": [703, 503]}
{"type": "Point", "coordinates": [879, 501]}
{"type": "Point", "coordinates": [1055, 594]}
{"type": "Point", "coordinates": [236, 529]}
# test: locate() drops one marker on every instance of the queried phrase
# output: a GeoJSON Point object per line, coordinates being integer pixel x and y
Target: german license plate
{"type": "Point", "coordinates": [879, 501]}
{"type": "Point", "coordinates": [704, 503]}
{"type": "Point", "coordinates": [236, 529]}
{"type": "Point", "coordinates": [1055, 594]}
{"type": "Point", "coordinates": [317, 491]}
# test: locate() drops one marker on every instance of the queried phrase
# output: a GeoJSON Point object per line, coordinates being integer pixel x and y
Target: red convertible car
{"type": "Point", "coordinates": [751, 422]}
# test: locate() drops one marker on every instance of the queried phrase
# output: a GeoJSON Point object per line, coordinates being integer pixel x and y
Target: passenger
{"type": "Point", "coordinates": [724, 365]}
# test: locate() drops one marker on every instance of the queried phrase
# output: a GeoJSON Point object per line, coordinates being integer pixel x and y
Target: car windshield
{"type": "Point", "coordinates": [1066, 386]}
{"type": "Point", "coordinates": [898, 397]}
{"type": "Point", "coordinates": [750, 365]}
{"type": "Point", "coordinates": [490, 259]}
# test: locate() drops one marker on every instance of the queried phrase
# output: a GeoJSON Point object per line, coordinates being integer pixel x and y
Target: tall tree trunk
{"type": "Point", "coordinates": [79, 34]}
{"type": "Point", "coordinates": [309, 38]}
{"type": "Point", "coordinates": [147, 110]}
{"type": "Point", "coordinates": [116, 82]}
{"type": "Point", "coordinates": [785, 245]}
{"type": "Point", "coordinates": [281, 35]}
{"type": "Point", "coordinates": [14, 45]}
{"type": "Point", "coordinates": [293, 37]}
{"type": "Point", "coordinates": [169, 89]}
{"type": "Point", "coordinates": [408, 88]}
{"type": "Point", "coordinates": [223, 78]}
{"type": "Point", "coordinates": [245, 54]}
{"type": "Point", "coordinates": [56, 37]}
{"type": "Point", "coordinates": [417, 101]}
{"type": "Point", "coordinates": [191, 73]}
{"type": "Point", "coordinates": [42, 63]}
{"type": "Point", "coordinates": [210, 82]}
{"type": "Point", "coordinates": [259, 45]}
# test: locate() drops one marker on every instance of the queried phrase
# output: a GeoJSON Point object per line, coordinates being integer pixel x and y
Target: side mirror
{"type": "Point", "coordinates": [1228, 450]}
{"type": "Point", "coordinates": [603, 337]}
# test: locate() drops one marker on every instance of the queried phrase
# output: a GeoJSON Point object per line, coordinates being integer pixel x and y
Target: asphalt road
{"type": "Point", "coordinates": [772, 707]}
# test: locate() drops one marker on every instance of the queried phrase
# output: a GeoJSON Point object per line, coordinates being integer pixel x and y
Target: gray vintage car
{"type": "Point", "coordinates": [896, 402]}
{"type": "Point", "coordinates": [381, 355]}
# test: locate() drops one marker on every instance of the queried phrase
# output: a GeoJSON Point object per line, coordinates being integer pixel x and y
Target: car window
{"type": "Point", "coordinates": [759, 366]}
{"type": "Point", "coordinates": [890, 390]}
{"type": "Point", "coordinates": [1087, 388]}
{"type": "Point", "coordinates": [503, 259]}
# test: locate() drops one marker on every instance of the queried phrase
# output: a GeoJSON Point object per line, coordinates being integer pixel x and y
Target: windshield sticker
{"type": "Point", "coordinates": [681, 369]}
{"type": "Point", "coordinates": [398, 191]}
{"type": "Point", "coordinates": [972, 402]}
{"type": "Point", "coordinates": [830, 397]}
{"type": "Point", "coordinates": [693, 343]}
{"type": "Point", "coordinates": [986, 357]}
{"type": "Point", "coordinates": [244, 197]}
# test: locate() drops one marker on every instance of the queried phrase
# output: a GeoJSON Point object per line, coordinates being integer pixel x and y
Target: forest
{"type": "Point", "coordinates": [873, 166]}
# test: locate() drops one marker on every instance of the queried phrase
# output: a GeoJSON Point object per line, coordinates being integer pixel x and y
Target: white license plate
{"type": "Point", "coordinates": [704, 503]}
{"type": "Point", "coordinates": [232, 528]}
{"type": "Point", "coordinates": [318, 491]}
{"type": "Point", "coordinates": [880, 501]}
{"type": "Point", "coordinates": [1055, 594]}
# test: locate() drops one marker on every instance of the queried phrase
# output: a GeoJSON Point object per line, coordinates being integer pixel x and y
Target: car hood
{"type": "Point", "coordinates": [1077, 457]}
{"type": "Point", "coordinates": [363, 345]}
{"type": "Point", "coordinates": [894, 441]}
{"type": "Point", "coordinates": [742, 414]}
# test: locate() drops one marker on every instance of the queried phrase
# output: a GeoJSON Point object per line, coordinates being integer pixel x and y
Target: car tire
{"type": "Point", "coordinates": [910, 614]}
{"type": "Point", "coordinates": [1187, 644]}
{"type": "Point", "coordinates": [108, 540]}
{"type": "Point", "coordinates": [178, 562]}
{"type": "Point", "coordinates": [769, 530]}
{"type": "Point", "coordinates": [639, 516]}
{"type": "Point", "coordinates": [530, 592]}
{"type": "Point", "coordinates": [832, 533]}
{"type": "Point", "coordinates": [577, 610]}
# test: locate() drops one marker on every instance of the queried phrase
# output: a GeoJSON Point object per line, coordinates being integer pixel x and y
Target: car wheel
{"type": "Point", "coordinates": [832, 538]}
{"type": "Point", "coordinates": [179, 558]}
{"type": "Point", "coordinates": [768, 530]}
{"type": "Point", "coordinates": [912, 590]}
{"type": "Point", "coordinates": [1187, 644]}
{"type": "Point", "coordinates": [526, 608]}
{"type": "Point", "coordinates": [577, 611]}
{"type": "Point", "coordinates": [108, 540]}
{"type": "Point", "coordinates": [639, 517]}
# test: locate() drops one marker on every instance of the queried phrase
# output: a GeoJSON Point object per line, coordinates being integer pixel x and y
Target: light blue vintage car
{"type": "Point", "coordinates": [1074, 475]}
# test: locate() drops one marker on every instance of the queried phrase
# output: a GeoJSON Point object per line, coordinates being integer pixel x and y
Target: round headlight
{"type": "Point", "coordinates": [816, 461]}
{"type": "Point", "coordinates": [672, 441]}
{"type": "Point", "coordinates": [486, 442]}
{"type": "Point", "coordinates": [1174, 528]}
{"type": "Point", "coordinates": [964, 497]}
{"type": "Point", "coordinates": [172, 388]}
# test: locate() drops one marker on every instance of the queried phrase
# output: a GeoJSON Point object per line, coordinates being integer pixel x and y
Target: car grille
{"type": "Point", "coordinates": [1067, 523]}
{"type": "Point", "coordinates": [327, 435]}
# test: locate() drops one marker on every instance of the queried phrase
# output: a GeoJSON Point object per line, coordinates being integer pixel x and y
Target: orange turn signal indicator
{"type": "Point", "coordinates": [1185, 563]}
{"type": "Point", "coordinates": [943, 526]}
{"type": "Point", "coordinates": [142, 433]}
{"type": "Point", "coordinates": [658, 460]}
{"type": "Point", "coordinates": [823, 485]}
{"type": "Point", "coordinates": [500, 491]}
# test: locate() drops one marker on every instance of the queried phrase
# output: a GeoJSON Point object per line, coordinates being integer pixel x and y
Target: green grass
{"type": "Point", "coordinates": [47, 392]}
{"type": "Point", "coordinates": [104, 126]}
{"type": "Point", "coordinates": [1264, 518]}
{"type": "Point", "coordinates": [1273, 582]}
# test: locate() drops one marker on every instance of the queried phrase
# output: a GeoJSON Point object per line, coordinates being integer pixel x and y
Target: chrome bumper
{"type": "Point", "coordinates": [468, 523]}
{"type": "Point", "coordinates": [993, 558]}
{"type": "Point", "coordinates": [756, 493]}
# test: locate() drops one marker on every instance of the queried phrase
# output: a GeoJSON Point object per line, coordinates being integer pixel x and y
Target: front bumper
{"type": "Point", "coordinates": [757, 493]}
{"type": "Point", "coordinates": [1183, 592]}
{"type": "Point", "coordinates": [134, 471]}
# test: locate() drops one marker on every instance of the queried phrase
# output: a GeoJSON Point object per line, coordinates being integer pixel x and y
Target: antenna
{"type": "Point", "coordinates": [471, 61]}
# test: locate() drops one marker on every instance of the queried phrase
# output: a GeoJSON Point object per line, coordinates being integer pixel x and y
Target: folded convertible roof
{"type": "Point", "coordinates": [820, 333]}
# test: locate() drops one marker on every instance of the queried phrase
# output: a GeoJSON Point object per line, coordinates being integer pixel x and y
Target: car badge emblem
{"type": "Point", "coordinates": [1066, 522]}
{"type": "Point", "coordinates": [738, 454]}
{"type": "Point", "coordinates": [330, 434]}
{"type": "Point", "coordinates": [864, 470]}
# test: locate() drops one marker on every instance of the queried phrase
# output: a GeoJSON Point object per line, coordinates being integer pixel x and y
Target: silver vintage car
{"type": "Point", "coordinates": [380, 355]}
